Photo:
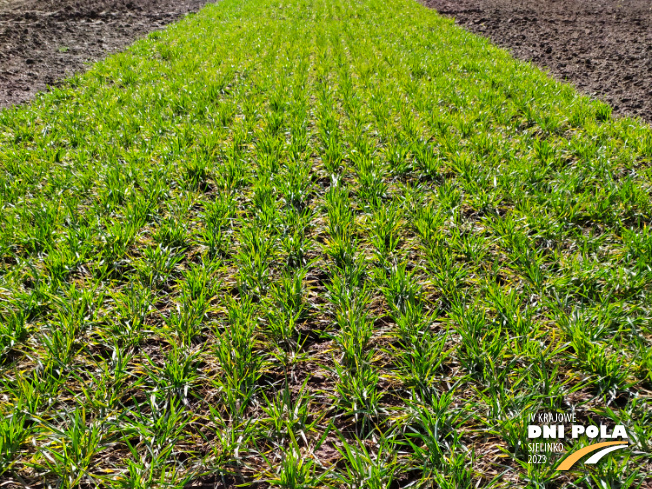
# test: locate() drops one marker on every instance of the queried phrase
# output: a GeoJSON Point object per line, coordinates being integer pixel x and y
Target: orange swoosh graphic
{"type": "Point", "coordinates": [570, 460]}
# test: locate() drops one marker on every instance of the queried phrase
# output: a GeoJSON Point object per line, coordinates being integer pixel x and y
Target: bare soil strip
{"type": "Point", "coordinates": [43, 41]}
{"type": "Point", "coordinates": [604, 48]}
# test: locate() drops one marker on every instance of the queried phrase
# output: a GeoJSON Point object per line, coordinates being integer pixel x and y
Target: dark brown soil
{"type": "Point", "coordinates": [43, 41]}
{"type": "Point", "coordinates": [603, 46]}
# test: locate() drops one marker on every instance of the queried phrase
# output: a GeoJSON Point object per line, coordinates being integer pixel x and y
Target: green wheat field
{"type": "Point", "coordinates": [319, 244]}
